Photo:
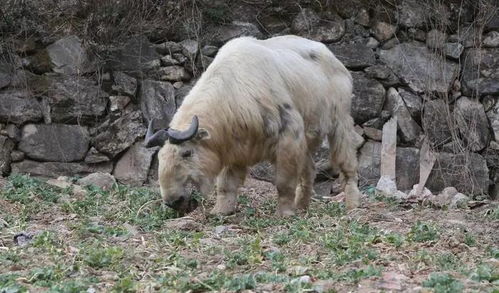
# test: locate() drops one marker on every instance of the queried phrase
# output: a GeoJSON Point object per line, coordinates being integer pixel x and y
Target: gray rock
{"type": "Point", "coordinates": [233, 30]}
{"type": "Point", "coordinates": [493, 116]}
{"type": "Point", "coordinates": [6, 73]}
{"type": "Point", "coordinates": [6, 147]}
{"type": "Point", "coordinates": [189, 48]}
{"type": "Point", "coordinates": [373, 133]}
{"type": "Point", "coordinates": [181, 59]}
{"type": "Point", "coordinates": [436, 123]}
{"type": "Point", "coordinates": [118, 103]}
{"type": "Point", "coordinates": [105, 181]}
{"type": "Point", "coordinates": [168, 48]}
{"type": "Point", "coordinates": [372, 43]}
{"type": "Point", "coordinates": [54, 169]}
{"type": "Point", "coordinates": [76, 99]}
{"type": "Point", "coordinates": [407, 127]}
{"type": "Point", "coordinates": [390, 44]}
{"type": "Point", "coordinates": [135, 56]}
{"type": "Point", "coordinates": [412, 13]}
{"type": "Point", "coordinates": [133, 167]}
{"type": "Point", "coordinates": [305, 20]}
{"type": "Point", "coordinates": [209, 51]}
{"type": "Point", "coordinates": [168, 60]}
{"type": "Point", "coordinates": [453, 50]}
{"type": "Point", "coordinates": [407, 165]}
{"type": "Point", "coordinates": [472, 123]}
{"type": "Point", "coordinates": [354, 56]}
{"type": "Point", "coordinates": [421, 69]}
{"type": "Point", "coordinates": [382, 73]}
{"type": "Point", "coordinates": [54, 142]}
{"type": "Point", "coordinates": [362, 17]}
{"type": "Point", "coordinates": [384, 31]}
{"type": "Point", "coordinates": [17, 156]}
{"type": "Point", "coordinates": [38, 84]}
{"type": "Point", "coordinates": [124, 84]}
{"type": "Point", "coordinates": [157, 100]}
{"type": "Point", "coordinates": [468, 172]}
{"type": "Point", "coordinates": [435, 39]}
{"type": "Point", "coordinates": [413, 103]}
{"type": "Point", "coordinates": [308, 24]}
{"type": "Point", "coordinates": [120, 134]}
{"type": "Point", "coordinates": [181, 93]}
{"type": "Point", "coordinates": [481, 72]}
{"type": "Point", "coordinates": [17, 106]}
{"type": "Point", "coordinates": [491, 40]}
{"type": "Point", "coordinates": [13, 132]}
{"type": "Point", "coordinates": [69, 56]}
{"type": "Point", "coordinates": [368, 99]}
{"type": "Point", "coordinates": [493, 22]}
{"type": "Point", "coordinates": [459, 201]}
{"type": "Point", "coordinates": [95, 157]}
{"type": "Point", "coordinates": [174, 73]}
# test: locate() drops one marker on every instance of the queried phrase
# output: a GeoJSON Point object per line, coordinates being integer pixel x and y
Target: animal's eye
{"type": "Point", "coordinates": [186, 153]}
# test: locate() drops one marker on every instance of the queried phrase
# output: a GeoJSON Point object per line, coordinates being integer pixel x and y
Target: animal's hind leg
{"type": "Point", "coordinates": [228, 182]}
{"type": "Point", "coordinates": [344, 155]}
{"type": "Point", "coordinates": [289, 163]}
{"type": "Point", "coordinates": [305, 189]}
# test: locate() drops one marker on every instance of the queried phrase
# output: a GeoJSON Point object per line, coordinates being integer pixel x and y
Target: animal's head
{"type": "Point", "coordinates": [186, 166]}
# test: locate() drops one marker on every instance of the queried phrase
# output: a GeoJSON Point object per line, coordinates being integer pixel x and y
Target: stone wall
{"type": "Point", "coordinates": [67, 108]}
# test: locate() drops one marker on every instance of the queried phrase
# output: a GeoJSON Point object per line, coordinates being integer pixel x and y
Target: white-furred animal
{"type": "Point", "coordinates": [259, 100]}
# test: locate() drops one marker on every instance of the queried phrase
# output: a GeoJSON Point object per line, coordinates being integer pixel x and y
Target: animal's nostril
{"type": "Point", "coordinates": [176, 203]}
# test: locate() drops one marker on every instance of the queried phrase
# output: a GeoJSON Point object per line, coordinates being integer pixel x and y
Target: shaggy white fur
{"type": "Point", "coordinates": [273, 99]}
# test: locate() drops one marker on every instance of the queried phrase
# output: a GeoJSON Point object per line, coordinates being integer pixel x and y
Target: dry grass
{"type": "Point", "coordinates": [123, 241]}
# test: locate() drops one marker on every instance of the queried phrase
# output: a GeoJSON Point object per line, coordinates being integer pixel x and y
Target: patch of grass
{"type": "Point", "coordinates": [25, 189]}
{"type": "Point", "coordinates": [469, 239]}
{"type": "Point", "coordinates": [486, 273]}
{"type": "Point", "coordinates": [8, 283]}
{"type": "Point", "coordinates": [394, 238]}
{"type": "Point", "coordinates": [125, 285]}
{"type": "Point", "coordinates": [448, 261]}
{"type": "Point", "coordinates": [423, 232]}
{"type": "Point", "coordinates": [102, 257]}
{"type": "Point", "coordinates": [443, 283]}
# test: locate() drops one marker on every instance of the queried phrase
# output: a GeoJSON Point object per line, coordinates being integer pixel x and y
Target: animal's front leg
{"type": "Point", "coordinates": [228, 182]}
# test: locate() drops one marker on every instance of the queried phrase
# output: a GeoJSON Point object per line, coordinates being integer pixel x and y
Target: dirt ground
{"type": "Point", "coordinates": [124, 240]}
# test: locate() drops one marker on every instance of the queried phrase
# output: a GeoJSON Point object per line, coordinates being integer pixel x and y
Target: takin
{"type": "Point", "coordinates": [259, 100]}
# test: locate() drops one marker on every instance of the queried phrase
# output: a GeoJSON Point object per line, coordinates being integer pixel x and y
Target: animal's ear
{"type": "Point", "coordinates": [202, 134]}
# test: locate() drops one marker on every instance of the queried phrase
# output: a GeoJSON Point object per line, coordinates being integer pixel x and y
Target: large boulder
{"type": "Point", "coordinates": [17, 106]}
{"type": "Point", "coordinates": [76, 99]}
{"type": "Point", "coordinates": [124, 84]}
{"type": "Point", "coordinates": [133, 167]}
{"type": "Point", "coordinates": [407, 165]}
{"type": "Point", "coordinates": [420, 68]}
{"type": "Point", "coordinates": [157, 101]}
{"type": "Point", "coordinates": [137, 55]}
{"type": "Point", "coordinates": [55, 169]}
{"type": "Point", "coordinates": [412, 14]}
{"type": "Point", "coordinates": [54, 142]}
{"type": "Point", "coordinates": [354, 56]}
{"type": "Point", "coordinates": [6, 147]}
{"type": "Point", "coordinates": [308, 24]}
{"type": "Point", "coordinates": [493, 115]}
{"type": "Point", "coordinates": [69, 56]}
{"type": "Point", "coordinates": [467, 172]}
{"type": "Point", "coordinates": [233, 30]}
{"type": "Point", "coordinates": [436, 122]}
{"type": "Point", "coordinates": [481, 72]}
{"type": "Point", "coordinates": [105, 181]}
{"type": "Point", "coordinates": [118, 135]}
{"type": "Point", "coordinates": [472, 123]}
{"type": "Point", "coordinates": [407, 127]}
{"type": "Point", "coordinates": [368, 99]}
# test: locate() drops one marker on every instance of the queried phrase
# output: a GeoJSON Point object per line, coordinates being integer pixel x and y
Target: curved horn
{"type": "Point", "coordinates": [176, 136]}
{"type": "Point", "coordinates": [155, 139]}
